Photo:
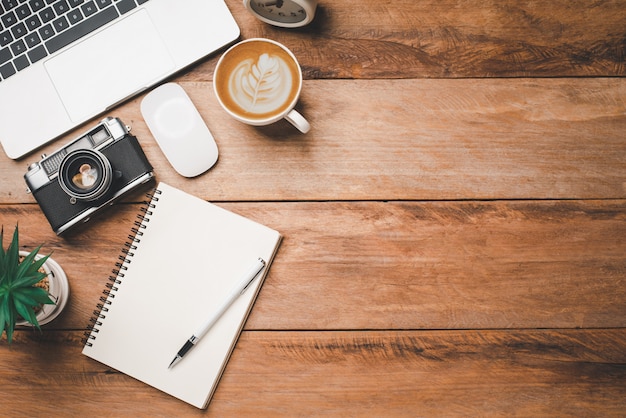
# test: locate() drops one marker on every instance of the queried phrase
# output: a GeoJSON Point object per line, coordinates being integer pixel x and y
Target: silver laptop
{"type": "Point", "coordinates": [62, 62]}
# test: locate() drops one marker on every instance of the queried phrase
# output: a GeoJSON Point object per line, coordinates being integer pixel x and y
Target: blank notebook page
{"type": "Point", "coordinates": [189, 255]}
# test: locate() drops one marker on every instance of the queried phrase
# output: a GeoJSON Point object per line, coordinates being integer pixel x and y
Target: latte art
{"type": "Point", "coordinates": [261, 86]}
{"type": "Point", "coordinates": [257, 81]}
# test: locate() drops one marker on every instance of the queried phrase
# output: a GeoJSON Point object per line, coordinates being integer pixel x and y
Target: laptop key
{"type": "Point", "coordinates": [103, 3]}
{"type": "Point", "coordinates": [19, 30]}
{"type": "Point", "coordinates": [60, 24]}
{"type": "Point", "coordinates": [8, 19]}
{"type": "Point", "coordinates": [46, 32]}
{"type": "Point", "coordinates": [37, 54]}
{"type": "Point", "coordinates": [23, 11]}
{"type": "Point", "coordinates": [5, 38]}
{"type": "Point", "coordinates": [74, 16]}
{"type": "Point", "coordinates": [33, 22]}
{"type": "Point", "coordinates": [89, 9]}
{"type": "Point", "coordinates": [32, 40]}
{"type": "Point", "coordinates": [36, 5]}
{"type": "Point", "coordinates": [47, 14]}
{"type": "Point", "coordinates": [9, 4]}
{"type": "Point", "coordinates": [21, 62]}
{"type": "Point", "coordinates": [18, 47]}
{"type": "Point", "coordinates": [5, 55]}
{"type": "Point", "coordinates": [81, 29]}
{"type": "Point", "coordinates": [126, 6]}
{"type": "Point", "coordinates": [60, 7]}
{"type": "Point", "coordinates": [7, 70]}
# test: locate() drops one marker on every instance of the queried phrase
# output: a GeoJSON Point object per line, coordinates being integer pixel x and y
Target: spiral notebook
{"type": "Point", "coordinates": [183, 258]}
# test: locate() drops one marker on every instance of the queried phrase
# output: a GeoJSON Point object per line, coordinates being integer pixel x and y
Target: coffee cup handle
{"type": "Point", "coordinates": [297, 120]}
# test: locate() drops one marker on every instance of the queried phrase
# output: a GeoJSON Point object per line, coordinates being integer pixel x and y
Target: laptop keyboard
{"type": "Point", "coordinates": [30, 30]}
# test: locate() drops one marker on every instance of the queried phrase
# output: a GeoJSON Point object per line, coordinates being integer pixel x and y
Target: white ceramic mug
{"type": "Point", "coordinates": [258, 82]}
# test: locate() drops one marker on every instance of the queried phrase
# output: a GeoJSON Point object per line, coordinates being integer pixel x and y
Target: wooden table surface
{"type": "Point", "coordinates": [454, 223]}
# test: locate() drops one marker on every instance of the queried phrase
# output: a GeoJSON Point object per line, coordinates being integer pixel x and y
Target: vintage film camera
{"type": "Point", "coordinates": [88, 174]}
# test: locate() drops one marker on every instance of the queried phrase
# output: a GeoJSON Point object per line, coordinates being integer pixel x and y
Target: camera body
{"type": "Point", "coordinates": [88, 174]}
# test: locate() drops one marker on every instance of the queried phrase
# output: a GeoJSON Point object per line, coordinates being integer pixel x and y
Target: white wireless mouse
{"type": "Point", "coordinates": [179, 130]}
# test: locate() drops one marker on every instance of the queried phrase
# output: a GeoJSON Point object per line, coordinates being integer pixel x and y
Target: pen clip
{"type": "Point", "coordinates": [262, 262]}
{"type": "Point", "coordinates": [247, 286]}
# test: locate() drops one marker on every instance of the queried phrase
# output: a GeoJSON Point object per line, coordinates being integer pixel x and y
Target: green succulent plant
{"type": "Point", "coordinates": [19, 297]}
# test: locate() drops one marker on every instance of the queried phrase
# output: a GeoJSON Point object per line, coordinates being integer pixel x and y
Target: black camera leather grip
{"type": "Point", "coordinates": [129, 164]}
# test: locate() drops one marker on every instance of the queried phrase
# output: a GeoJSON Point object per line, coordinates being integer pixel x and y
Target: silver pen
{"type": "Point", "coordinates": [241, 287]}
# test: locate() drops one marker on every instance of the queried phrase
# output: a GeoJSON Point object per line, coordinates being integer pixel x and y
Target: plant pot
{"type": "Point", "coordinates": [59, 292]}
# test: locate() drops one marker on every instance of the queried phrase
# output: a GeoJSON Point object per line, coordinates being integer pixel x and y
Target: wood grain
{"type": "Point", "coordinates": [451, 39]}
{"type": "Point", "coordinates": [454, 223]}
{"type": "Point", "coordinates": [359, 373]}
{"type": "Point", "coordinates": [398, 265]}
{"type": "Point", "coordinates": [444, 139]}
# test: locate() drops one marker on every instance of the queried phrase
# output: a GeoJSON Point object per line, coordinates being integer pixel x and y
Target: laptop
{"type": "Point", "coordinates": [62, 62]}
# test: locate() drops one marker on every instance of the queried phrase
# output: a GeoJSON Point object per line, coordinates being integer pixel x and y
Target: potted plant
{"type": "Point", "coordinates": [33, 288]}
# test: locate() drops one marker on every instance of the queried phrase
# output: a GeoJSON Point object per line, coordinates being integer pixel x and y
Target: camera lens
{"type": "Point", "coordinates": [85, 174]}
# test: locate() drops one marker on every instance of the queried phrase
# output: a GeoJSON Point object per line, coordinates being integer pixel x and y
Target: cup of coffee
{"type": "Point", "coordinates": [258, 82]}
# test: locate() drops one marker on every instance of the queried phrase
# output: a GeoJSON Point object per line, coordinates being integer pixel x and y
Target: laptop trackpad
{"type": "Point", "coordinates": [91, 76]}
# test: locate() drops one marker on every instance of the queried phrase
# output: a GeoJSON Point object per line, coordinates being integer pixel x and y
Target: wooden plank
{"type": "Point", "coordinates": [445, 139]}
{"type": "Point", "coordinates": [447, 230]}
{"type": "Point", "coordinates": [360, 373]}
{"type": "Point", "coordinates": [397, 265]}
{"type": "Point", "coordinates": [457, 39]}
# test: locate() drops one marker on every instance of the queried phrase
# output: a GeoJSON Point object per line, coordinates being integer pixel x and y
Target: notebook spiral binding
{"type": "Point", "coordinates": [125, 258]}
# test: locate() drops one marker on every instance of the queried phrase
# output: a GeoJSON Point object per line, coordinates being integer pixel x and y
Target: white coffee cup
{"type": "Point", "coordinates": [258, 82]}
